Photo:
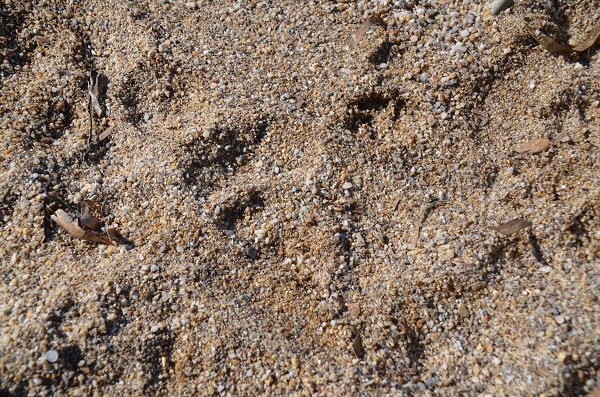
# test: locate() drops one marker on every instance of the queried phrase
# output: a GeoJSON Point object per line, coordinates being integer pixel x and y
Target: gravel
{"type": "Point", "coordinates": [298, 213]}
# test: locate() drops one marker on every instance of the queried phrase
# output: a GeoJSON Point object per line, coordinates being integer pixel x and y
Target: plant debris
{"type": "Point", "coordinates": [90, 214]}
{"type": "Point", "coordinates": [534, 146]}
{"type": "Point", "coordinates": [105, 134]}
{"type": "Point", "coordinates": [72, 227]}
{"type": "Point", "coordinates": [96, 83]}
{"type": "Point", "coordinates": [357, 345]}
{"type": "Point", "coordinates": [590, 40]}
{"type": "Point", "coordinates": [557, 48]}
{"type": "Point", "coordinates": [548, 42]}
{"type": "Point", "coordinates": [364, 28]}
{"type": "Point", "coordinates": [513, 226]}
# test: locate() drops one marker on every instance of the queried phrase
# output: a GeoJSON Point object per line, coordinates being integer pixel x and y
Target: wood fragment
{"type": "Point", "coordinates": [71, 226]}
{"type": "Point", "coordinates": [534, 146]}
{"type": "Point", "coordinates": [512, 226]}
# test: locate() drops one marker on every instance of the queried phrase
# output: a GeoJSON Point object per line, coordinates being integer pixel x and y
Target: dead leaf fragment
{"type": "Point", "coordinates": [91, 214]}
{"type": "Point", "coordinates": [95, 86]}
{"type": "Point", "coordinates": [590, 40]}
{"type": "Point", "coordinates": [548, 42]}
{"type": "Point", "coordinates": [364, 28]}
{"type": "Point", "coordinates": [108, 132]}
{"type": "Point", "coordinates": [70, 225]}
{"type": "Point", "coordinates": [513, 226]}
{"type": "Point", "coordinates": [534, 146]}
{"type": "Point", "coordinates": [357, 345]}
{"type": "Point", "coordinates": [354, 310]}
{"type": "Point", "coordinates": [112, 234]}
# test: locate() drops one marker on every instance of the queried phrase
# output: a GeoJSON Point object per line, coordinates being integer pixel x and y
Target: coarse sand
{"type": "Point", "coordinates": [393, 197]}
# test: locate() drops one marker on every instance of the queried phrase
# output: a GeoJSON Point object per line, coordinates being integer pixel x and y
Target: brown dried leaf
{"type": "Point", "coordinates": [91, 214]}
{"type": "Point", "coordinates": [590, 40]}
{"type": "Point", "coordinates": [95, 87]}
{"type": "Point", "coordinates": [112, 234]}
{"type": "Point", "coordinates": [364, 28]}
{"type": "Point", "coordinates": [70, 225]}
{"type": "Point", "coordinates": [513, 226]}
{"type": "Point", "coordinates": [534, 146]}
{"type": "Point", "coordinates": [548, 42]}
{"type": "Point", "coordinates": [357, 345]}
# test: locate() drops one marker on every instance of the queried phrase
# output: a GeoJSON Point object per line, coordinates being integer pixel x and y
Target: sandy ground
{"type": "Point", "coordinates": [300, 210]}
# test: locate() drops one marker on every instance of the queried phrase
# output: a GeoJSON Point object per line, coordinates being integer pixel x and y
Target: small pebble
{"type": "Point", "coordinates": [51, 356]}
{"type": "Point", "coordinates": [560, 319]}
{"type": "Point", "coordinates": [354, 310]}
{"type": "Point", "coordinates": [478, 286]}
{"type": "Point", "coordinates": [500, 5]}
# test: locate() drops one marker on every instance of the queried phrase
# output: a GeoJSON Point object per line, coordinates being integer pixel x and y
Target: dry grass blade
{"type": "Point", "coordinates": [534, 146]}
{"type": "Point", "coordinates": [549, 43]}
{"type": "Point", "coordinates": [70, 225]}
{"type": "Point", "coordinates": [364, 28]}
{"type": "Point", "coordinates": [590, 40]}
{"type": "Point", "coordinates": [513, 226]}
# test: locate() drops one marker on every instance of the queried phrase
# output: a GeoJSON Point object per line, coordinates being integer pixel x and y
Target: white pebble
{"type": "Point", "coordinates": [51, 356]}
